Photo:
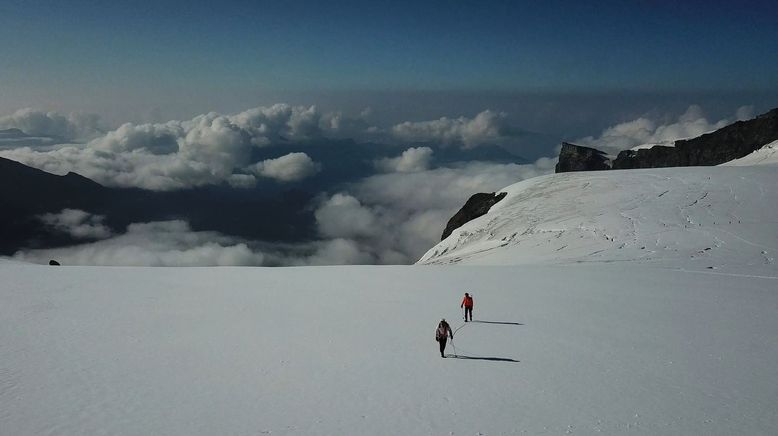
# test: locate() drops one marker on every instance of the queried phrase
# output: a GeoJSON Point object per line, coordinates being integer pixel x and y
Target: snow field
{"type": "Point", "coordinates": [700, 218]}
{"type": "Point", "coordinates": [600, 349]}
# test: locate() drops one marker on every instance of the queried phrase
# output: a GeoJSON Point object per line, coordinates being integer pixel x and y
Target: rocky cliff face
{"type": "Point", "coordinates": [579, 158]}
{"type": "Point", "coordinates": [723, 145]}
{"type": "Point", "coordinates": [476, 206]}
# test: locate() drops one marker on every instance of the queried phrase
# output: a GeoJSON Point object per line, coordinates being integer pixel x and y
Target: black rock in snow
{"type": "Point", "coordinates": [723, 145]}
{"type": "Point", "coordinates": [574, 157]}
{"type": "Point", "coordinates": [477, 205]}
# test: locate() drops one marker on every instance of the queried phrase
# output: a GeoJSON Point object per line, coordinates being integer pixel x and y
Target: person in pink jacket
{"type": "Point", "coordinates": [442, 333]}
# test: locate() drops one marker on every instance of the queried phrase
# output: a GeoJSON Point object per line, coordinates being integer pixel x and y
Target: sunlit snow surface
{"type": "Point", "coordinates": [716, 219]}
{"type": "Point", "coordinates": [767, 155]}
{"type": "Point", "coordinates": [621, 302]}
{"type": "Point", "coordinates": [584, 349]}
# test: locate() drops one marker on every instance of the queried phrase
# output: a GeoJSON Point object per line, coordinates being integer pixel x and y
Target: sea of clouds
{"type": "Point", "coordinates": [390, 217]}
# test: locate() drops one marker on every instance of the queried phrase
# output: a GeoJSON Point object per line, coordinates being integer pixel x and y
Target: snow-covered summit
{"type": "Point", "coordinates": [706, 218]}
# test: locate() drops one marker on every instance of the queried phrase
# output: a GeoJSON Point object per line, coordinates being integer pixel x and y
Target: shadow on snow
{"type": "Point", "coordinates": [491, 359]}
{"type": "Point", "coordinates": [497, 322]}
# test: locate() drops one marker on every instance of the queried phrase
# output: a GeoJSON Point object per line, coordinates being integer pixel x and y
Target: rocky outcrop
{"type": "Point", "coordinates": [476, 206]}
{"type": "Point", "coordinates": [579, 158]}
{"type": "Point", "coordinates": [731, 142]}
{"type": "Point", "coordinates": [658, 156]}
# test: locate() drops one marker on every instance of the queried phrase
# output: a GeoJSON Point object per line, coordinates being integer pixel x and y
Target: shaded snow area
{"type": "Point", "coordinates": [716, 219]}
{"type": "Point", "coordinates": [572, 349]}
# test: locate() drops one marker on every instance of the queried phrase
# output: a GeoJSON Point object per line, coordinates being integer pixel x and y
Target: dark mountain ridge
{"type": "Point", "coordinates": [26, 193]}
{"type": "Point", "coordinates": [723, 145]}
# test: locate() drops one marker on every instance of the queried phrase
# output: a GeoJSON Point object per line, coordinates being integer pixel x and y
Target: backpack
{"type": "Point", "coordinates": [442, 331]}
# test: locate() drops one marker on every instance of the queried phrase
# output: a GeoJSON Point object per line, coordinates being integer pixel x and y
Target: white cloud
{"type": "Point", "coordinates": [645, 130]}
{"type": "Point", "coordinates": [166, 243]}
{"type": "Point", "coordinates": [174, 243]}
{"type": "Point", "coordinates": [339, 252]}
{"type": "Point", "coordinates": [242, 181]}
{"type": "Point", "coordinates": [289, 168]}
{"type": "Point", "coordinates": [214, 148]}
{"type": "Point", "coordinates": [385, 219]}
{"type": "Point", "coordinates": [77, 223]}
{"type": "Point", "coordinates": [411, 160]}
{"type": "Point", "coordinates": [336, 124]}
{"type": "Point", "coordinates": [394, 218]}
{"type": "Point", "coordinates": [74, 126]}
{"type": "Point", "coordinates": [208, 149]}
{"type": "Point", "coordinates": [266, 124]}
{"type": "Point", "coordinates": [342, 215]}
{"type": "Point", "coordinates": [488, 127]}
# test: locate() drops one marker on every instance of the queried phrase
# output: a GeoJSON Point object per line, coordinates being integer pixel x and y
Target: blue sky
{"type": "Point", "coordinates": [95, 55]}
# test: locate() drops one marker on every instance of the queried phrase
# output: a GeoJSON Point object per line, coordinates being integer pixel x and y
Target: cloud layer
{"type": "Point", "coordinates": [208, 149]}
{"type": "Point", "coordinates": [74, 126]}
{"type": "Point", "coordinates": [649, 131]}
{"type": "Point", "coordinates": [395, 217]}
{"type": "Point", "coordinates": [77, 223]}
{"type": "Point", "coordinates": [411, 160]}
{"type": "Point", "coordinates": [216, 149]}
{"type": "Point", "coordinates": [488, 127]}
{"type": "Point", "coordinates": [292, 167]}
{"type": "Point", "coordinates": [166, 243]}
{"type": "Point", "coordinates": [390, 218]}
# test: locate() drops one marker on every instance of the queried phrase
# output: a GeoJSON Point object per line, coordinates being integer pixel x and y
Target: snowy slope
{"type": "Point", "coordinates": [767, 155]}
{"type": "Point", "coordinates": [616, 302]}
{"type": "Point", "coordinates": [722, 219]}
{"type": "Point", "coordinates": [576, 349]}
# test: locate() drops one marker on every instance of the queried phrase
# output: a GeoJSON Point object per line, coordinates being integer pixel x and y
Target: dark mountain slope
{"type": "Point", "coordinates": [26, 193]}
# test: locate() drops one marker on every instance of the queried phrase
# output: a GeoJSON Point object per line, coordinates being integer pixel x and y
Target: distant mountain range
{"type": "Point", "coordinates": [26, 193]}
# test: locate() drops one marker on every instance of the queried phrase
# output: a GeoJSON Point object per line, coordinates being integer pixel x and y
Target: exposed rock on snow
{"type": "Point", "coordinates": [476, 205]}
{"type": "Point", "coordinates": [713, 218]}
{"type": "Point", "coordinates": [728, 143]}
{"type": "Point", "coordinates": [574, 157]}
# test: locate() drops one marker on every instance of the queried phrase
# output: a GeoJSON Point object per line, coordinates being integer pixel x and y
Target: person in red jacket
{"type": "Point", "coordinates": [467, 303]}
